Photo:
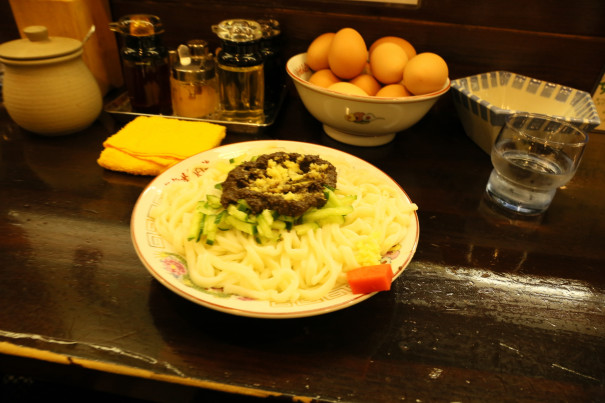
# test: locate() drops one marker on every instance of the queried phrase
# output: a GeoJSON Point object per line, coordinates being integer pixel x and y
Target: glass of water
{"type": "Point", "coordinates": [533, 155]}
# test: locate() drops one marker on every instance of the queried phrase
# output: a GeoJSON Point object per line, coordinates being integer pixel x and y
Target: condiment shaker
{"type": "Point", "coordinates": [193, 82]}
{"type": "Point", "coordinates": [240, 71]}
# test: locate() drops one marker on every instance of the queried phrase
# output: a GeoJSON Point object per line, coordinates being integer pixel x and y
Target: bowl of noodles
{"type": "Point", "coordinates": [297, 275]}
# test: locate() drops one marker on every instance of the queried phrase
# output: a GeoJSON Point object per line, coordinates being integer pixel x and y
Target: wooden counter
{"type": "Point", "coordinates": [490, 309]}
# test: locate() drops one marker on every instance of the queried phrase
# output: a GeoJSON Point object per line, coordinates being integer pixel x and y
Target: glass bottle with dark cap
{"type": "Point", "coordinates": [144, 63]}
{"type": "Point", "coordinates": [240, 71]}
{"type": "Point", "coordinates": [275, 70]}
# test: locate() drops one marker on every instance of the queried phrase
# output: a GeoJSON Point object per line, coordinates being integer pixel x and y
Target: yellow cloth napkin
{"type": "Point", "coordinates": [148, 145]}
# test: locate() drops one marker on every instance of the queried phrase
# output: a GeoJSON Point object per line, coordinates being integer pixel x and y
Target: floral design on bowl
{"type": "Point", "coordinates": [176, 266]}
{"type": "Point", "coordinates": [361, 117]}
{"type": "Point", "coordinates": [173, 264]}
{"type": "Point", "coordinates": [391, 254]}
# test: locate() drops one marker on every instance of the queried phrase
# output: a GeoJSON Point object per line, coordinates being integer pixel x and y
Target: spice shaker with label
{"type": "Point", "coordinates": [193, 82]}
{"type": "Point", "coordinates": [144, 63]}
{"type": "Point", "coordinates": [240, 70]}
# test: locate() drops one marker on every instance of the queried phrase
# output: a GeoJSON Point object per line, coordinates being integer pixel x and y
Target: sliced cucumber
{"type": "Point", "coordinates": [334, 200]}
{"type": "Point", "coordinates": [243, 205]}
{"type": "Point", "coordinates": [233, 211]}
{"type": "Point", "coordinates": [248, 228]}
{"type": "Point", "coordinates": [210, 229]}
{"type": "Point", "coordinates": [323, 213]}
{"type": "Point", "coordinates": [221, 221]}
{"type": "Point", "coordinates": [302, 229]}
{"type": "Point", "coordinates": [214, 201]}
{"type": "Point", "coordinates": [264, 227]}
{"type": "Point", "coordinates": [195, 228]}
{"type": "Point", "coordinates": [280, 225]}
{"type": "Point", "coordinates": [210, 217]}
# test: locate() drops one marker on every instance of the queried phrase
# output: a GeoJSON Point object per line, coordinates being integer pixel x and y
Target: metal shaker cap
{"type": "Point", "coordinates": [188, 68]}
{"type": "Point", "coordinates": [238, 30]}
{"type": "Point", "coordinates": [198, 49]}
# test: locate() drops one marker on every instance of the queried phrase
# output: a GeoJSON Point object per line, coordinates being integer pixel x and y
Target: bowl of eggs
{"type": "Point", "coordinates": [365, 96]}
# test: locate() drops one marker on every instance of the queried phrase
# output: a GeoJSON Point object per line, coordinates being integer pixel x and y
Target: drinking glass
{"type": "Point", "coordinates": [533, 155]}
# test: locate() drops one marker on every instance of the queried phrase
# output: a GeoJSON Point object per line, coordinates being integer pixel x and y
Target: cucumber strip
{"type": "Point", "coordinates": [285, 218]}
{"type": "Point", "coordinates": [243, 226]}
{"type": "Point", "coordinates": [210, 229]}
{"type": "Point", "coordinates": [280, 225]}
{"type": "Point", "coordinates": [264, 228]}
{"type": "Point", "coordinates": [331, 199]}
{"type": "Point", "coordinates": [302, 229]}
{"type": "Point", "coordinates": [267, 216]}
{"type": "Point", "coordinates": [221, 221]}
{"type": "Point", "coordinates": [334, 200]}
{"type": "Point", "coordinates": [195, 228]}
{"type": "Point", "coordinates": [243, 205]}
{"type": "Point", "coordinates": [205, 208]}
{"type": "Point", "coordinates": [213, 201]}
{"type": "Point", "coordinates": [233, 211]}
{"type": "Point", "coordinates": [316, 215]}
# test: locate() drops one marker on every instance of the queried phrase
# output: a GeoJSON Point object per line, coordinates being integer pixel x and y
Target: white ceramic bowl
{"type": "Point", "coordinates": [484, 101]}
{"type": "Point", "coordinates": [358, 120]}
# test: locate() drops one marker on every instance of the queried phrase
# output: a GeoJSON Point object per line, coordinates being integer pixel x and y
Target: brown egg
{"type": "Point", "coordinates": [426, 72]}
{"type": "Point", "coordinates": [323, 78]}
{"type": "Point", "coordinates": [317, 52]}
{"type": "Point", "coordinates": [348, 54]}
{"type": "Point", "coordinates": [345, 87]}
{"type": "Point", "coordinates": [367, 83]}
{"type": "Point", "coordinates": [387, 62]}
{"type": "Point", "coordinates": [405, 45]}
{"type": "Point", "coordinates": [393, 91]}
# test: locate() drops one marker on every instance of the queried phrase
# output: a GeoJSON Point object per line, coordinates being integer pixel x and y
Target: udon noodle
{"type": "Point", "coordinates": [296, 267]}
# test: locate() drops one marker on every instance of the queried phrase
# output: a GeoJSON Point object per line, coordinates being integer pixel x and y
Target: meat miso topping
{"type": "Point", "coordinates": [289, 183]}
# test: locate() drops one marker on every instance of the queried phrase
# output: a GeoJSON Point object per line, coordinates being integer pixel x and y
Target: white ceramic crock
{"type": "Point", "coordinates": [48, 89]}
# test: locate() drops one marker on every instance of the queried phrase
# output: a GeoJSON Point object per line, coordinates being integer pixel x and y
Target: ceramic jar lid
{"type": "Point", "coordinates": [38, 46]}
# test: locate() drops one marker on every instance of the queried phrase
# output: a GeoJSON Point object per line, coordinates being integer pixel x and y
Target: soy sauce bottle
{"type": "Point", "coordinates": [270, 48]}
{"type": "Point", "coordinates": [240, 71]}
{"type": "Point", "coordinates": [145, 63]}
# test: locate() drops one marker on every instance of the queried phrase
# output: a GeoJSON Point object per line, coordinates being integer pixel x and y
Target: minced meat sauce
{"type": "Point", "coordinates": [289, 183]}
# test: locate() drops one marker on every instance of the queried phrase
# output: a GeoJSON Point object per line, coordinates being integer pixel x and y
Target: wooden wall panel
{"type": "Point", "coordinates": [554, 41]}
{"type": "Point", "coordinates": [562, 42]}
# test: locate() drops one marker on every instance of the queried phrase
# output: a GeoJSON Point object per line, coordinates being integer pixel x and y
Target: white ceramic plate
{"type": "Point", "coordinates": [170, 269]}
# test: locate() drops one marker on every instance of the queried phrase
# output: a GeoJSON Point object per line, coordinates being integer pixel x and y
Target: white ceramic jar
{"type": "Point", "coordinates": [48, 89]}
